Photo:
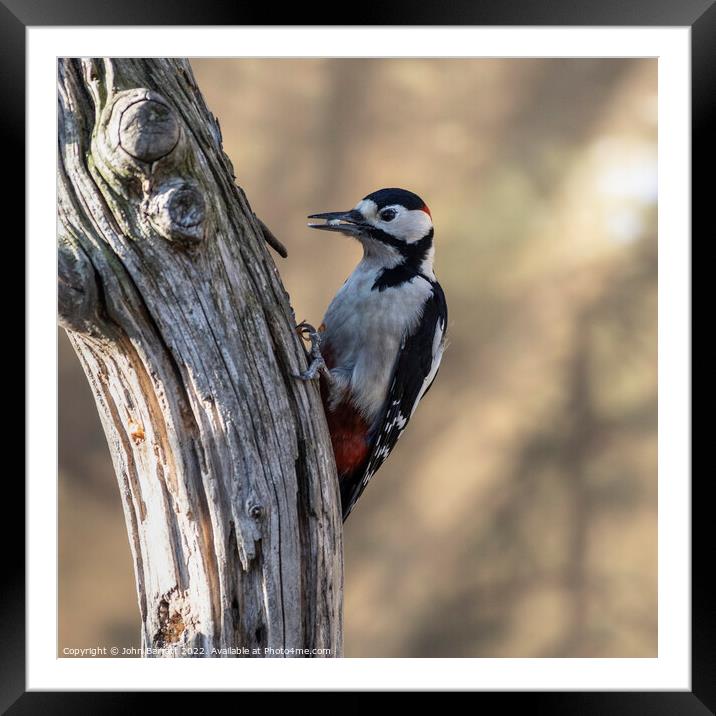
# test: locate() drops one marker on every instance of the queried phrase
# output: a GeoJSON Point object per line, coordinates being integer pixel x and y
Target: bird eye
{"type": "Point", "coordinates": [388, 214]}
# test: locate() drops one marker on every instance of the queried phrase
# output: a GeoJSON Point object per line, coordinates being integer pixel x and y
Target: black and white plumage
{"type": "Point", "coordinates": [383, 335]}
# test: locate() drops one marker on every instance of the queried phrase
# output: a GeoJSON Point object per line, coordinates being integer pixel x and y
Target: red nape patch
{"type": "Point", "coordinates": [424, 208]}
{"type": "Point", "coordinates": [349, 433]}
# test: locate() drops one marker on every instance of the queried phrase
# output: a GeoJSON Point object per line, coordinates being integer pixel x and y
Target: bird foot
{"type": "Point", "coordinates": [317, 365]}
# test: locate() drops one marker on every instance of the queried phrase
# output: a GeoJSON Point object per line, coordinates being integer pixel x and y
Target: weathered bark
{"type": "Point", "coordinates": [178, 315]}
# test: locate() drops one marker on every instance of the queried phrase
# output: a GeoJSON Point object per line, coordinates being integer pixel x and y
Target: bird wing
{"type": "Point", "coordinates": [415, 369]}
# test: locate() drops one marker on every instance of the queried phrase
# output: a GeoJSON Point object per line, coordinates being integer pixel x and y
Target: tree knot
{"type": "Point", "coordinates": [256, 511]}
{"type": "Point", "coordinates": [148, 128]}
{"type": "Point", "coordinates": [177, 210]}
{"type": "Point", "coordinates": [141, 141]}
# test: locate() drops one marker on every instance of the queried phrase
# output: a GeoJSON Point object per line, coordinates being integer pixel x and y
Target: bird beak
{"type": "Point", "coordinates": [350, 223]}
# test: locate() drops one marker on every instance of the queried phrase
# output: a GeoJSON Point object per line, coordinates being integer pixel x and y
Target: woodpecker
{"type": "Point", "coordinates": [379, 347]}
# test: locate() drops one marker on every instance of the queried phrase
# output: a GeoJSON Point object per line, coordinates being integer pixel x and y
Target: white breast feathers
{"type": "Point", "coordinates": [364, 330]}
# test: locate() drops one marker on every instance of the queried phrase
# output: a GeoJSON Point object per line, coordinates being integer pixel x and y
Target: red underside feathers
{"type": "Point", "coordinates": [348, 434]}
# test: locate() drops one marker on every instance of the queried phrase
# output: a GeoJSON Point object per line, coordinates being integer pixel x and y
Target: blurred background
{"type": "Point", "coordinates": [517, 516]}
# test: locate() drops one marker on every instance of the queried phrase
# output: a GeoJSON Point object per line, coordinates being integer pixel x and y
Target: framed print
{"type": "Point", "coordinates": [213, 464]}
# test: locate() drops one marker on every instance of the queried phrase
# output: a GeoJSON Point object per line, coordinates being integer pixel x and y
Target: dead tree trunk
{"type": "Point", "coordinates": [177, 313]}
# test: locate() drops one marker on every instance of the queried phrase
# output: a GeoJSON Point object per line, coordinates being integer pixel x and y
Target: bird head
{"type": "Point", "coordinates": [393, 218]}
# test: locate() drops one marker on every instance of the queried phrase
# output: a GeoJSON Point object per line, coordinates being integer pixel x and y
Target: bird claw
{"type": "Point", "coordinates": [317, 365]}
{"type": "Point", "coordinates": [306, 331]}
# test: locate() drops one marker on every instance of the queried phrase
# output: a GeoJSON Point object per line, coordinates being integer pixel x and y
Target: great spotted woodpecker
{"type": "Point", "coordinates": [379, 347]}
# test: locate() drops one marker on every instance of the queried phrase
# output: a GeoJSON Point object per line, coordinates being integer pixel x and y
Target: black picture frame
{"type": "Point", "coordinates": [699, 15]}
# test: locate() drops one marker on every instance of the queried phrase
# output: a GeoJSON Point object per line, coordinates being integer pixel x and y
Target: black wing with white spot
{"type": "Point", "coordinates": [414, 372]}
